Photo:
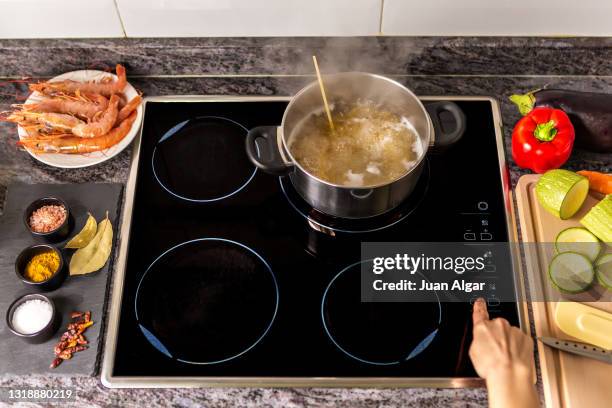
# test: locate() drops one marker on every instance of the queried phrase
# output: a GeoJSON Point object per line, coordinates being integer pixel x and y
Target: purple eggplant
{"type": "Point", "coordinates": [589, 112]}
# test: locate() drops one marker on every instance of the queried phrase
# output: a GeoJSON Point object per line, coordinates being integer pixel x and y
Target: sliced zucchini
{"type": "Point", "coordinates": [562, 192]}
{"type": "Point", "coordinates": [571, 272]}
{"type": "Point", "coordinates": [578, 240]}
{"type": "Point", "coordinates": [599, 220]}
{"type": "Point", "coordinates": [603, 269]}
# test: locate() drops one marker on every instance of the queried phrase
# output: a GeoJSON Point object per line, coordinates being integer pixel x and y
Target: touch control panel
{"type": "Point", "coordinates": [476, 223]}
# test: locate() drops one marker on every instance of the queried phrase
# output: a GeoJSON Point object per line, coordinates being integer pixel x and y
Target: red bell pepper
{"type": "Point", "coordinates": [542, 140]}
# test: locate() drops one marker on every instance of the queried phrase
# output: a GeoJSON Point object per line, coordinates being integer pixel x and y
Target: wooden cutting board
{"type": "Point", "coordinates": [569, 380]}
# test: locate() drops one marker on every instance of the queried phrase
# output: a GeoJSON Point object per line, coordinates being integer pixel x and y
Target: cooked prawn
{"type": "Point", "coordinates": [129, 108]}
{"type": "Point", "coordinates": [85, 97]}
{"type": "Point", "coordinates": [81, 106]}
{"type": "Point", "coordinates": [105, 88]}
{"type": "Point", "coordinates": [35, 134]}
{"type": "Point", "coordinates": [78, 145]}
{"type": "Point", "coordinates": [50, 120]}
{"type": "Point", "coordinates": [102, 123]}
{"type": "Point", "coordinates": [40, 131]}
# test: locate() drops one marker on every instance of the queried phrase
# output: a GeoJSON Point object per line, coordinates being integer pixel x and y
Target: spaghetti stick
{"type": "Point", "coordinates": [329, 117]}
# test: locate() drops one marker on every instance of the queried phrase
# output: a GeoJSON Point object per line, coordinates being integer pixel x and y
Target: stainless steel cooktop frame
{"type": "Point", "coordinates": [111, 381]}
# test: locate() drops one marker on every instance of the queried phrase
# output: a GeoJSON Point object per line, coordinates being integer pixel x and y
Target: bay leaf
{"type": "Point", "coordinates": [84, 236]}
{"type": "Point", "coordinates": [95, 254]}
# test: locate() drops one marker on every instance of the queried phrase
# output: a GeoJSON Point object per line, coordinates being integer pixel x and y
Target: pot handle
{"type": "Point", "coordinates": [444, 139]}
{"type": "Point", "coordinates": [268, 158]}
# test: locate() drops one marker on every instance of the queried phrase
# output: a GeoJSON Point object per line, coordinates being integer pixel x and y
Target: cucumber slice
{"type": "Point", "coordinates": [603, 269]}
{"type": "Point", "coordinates": [571, 272]}
{"type": "Point", "coordinates": [599, 220]}
{"type": "Point", "coordinates": [562, 192]}
{"type": "Point", "coordinates": [578, 240]}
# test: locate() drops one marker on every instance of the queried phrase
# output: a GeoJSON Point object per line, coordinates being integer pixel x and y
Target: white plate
{"type": "Point", "coordinates": [73, 161]}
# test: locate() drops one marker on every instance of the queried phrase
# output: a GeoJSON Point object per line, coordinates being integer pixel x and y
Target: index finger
{"type": "Point", "coordinates": [479, 313]}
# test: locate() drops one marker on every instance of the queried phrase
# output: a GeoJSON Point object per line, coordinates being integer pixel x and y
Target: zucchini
{"type": "Point", "coordinates": [578, 240]}
{"type": "Point", "coordinates": [599, 220]}
{"type": "Point", "coordinates": [603, 270]}
{"type": "Point", "coordinates": [571, 272]}
{"type": "Point", "coordinates": [562, 192]}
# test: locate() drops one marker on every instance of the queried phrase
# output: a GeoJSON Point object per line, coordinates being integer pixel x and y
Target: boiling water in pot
{"type": "Point", "coordinates": [369, 146]}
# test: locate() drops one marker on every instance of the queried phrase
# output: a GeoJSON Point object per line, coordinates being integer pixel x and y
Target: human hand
{"type": "Point", "coordinates": [503, 356]}
{"type": "Point", "coordinates": [498, 347]}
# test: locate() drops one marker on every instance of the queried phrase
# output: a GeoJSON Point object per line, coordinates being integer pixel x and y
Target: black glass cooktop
{"type": "Point", "coordinates": [230, 274]}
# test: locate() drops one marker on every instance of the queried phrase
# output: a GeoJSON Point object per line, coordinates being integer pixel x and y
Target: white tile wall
{"type": "Point", "coordinates": [59, 19]}
{"type": "Point", "coordinates": [498, 17]}
{"type": "Point", "coordinates": [219, 18]}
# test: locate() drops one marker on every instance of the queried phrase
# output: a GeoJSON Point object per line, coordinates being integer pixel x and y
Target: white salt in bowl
{"type": "Point", "coordinates": [42, 335]}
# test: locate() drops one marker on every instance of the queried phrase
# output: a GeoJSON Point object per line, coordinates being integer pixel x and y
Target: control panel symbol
{"type": "Point", "coordinates": [469, 236]}
{"type": "Point", "coordinates": [483, 205]}
{"type": "Point", "coordinates": [493, 301]}
{"type": "Point", "coordinates": [490, 268]}
{"type": "Point", "coordinates": [486, 236]}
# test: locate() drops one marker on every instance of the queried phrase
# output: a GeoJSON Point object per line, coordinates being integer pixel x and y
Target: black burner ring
{"type": "Point", "coordinates": [206, 301]}
{"type": "Point", "coordinates": [198, 159]}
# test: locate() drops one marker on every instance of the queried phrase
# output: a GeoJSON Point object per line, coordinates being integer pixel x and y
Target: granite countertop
{"type": "Point", "coordinates": [262, 66]}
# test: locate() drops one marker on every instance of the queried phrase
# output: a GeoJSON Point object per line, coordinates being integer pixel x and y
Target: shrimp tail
{"type": "Point", "coordinates": [121, 78]}
{"type": "Point", "coordinates": [130, 107]}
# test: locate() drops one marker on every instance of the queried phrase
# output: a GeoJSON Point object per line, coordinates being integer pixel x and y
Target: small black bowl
{"type": "Point", "coordinates": [54, 282]}
{"type": "Point", "coordinates": [43, 334]}
{"type": "Point", "coordinates": [58, 234]}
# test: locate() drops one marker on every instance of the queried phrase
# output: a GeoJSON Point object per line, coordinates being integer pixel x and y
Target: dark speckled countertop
{"type": "Point", "coordinates": [280, 66]}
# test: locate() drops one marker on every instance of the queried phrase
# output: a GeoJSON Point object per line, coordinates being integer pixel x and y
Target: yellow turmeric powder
{"type": "Point", "coordinates": [42, 266]}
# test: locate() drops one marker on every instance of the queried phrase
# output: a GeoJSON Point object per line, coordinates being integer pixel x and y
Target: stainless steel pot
{"type": "Point", "coordinates": [268, 146]}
